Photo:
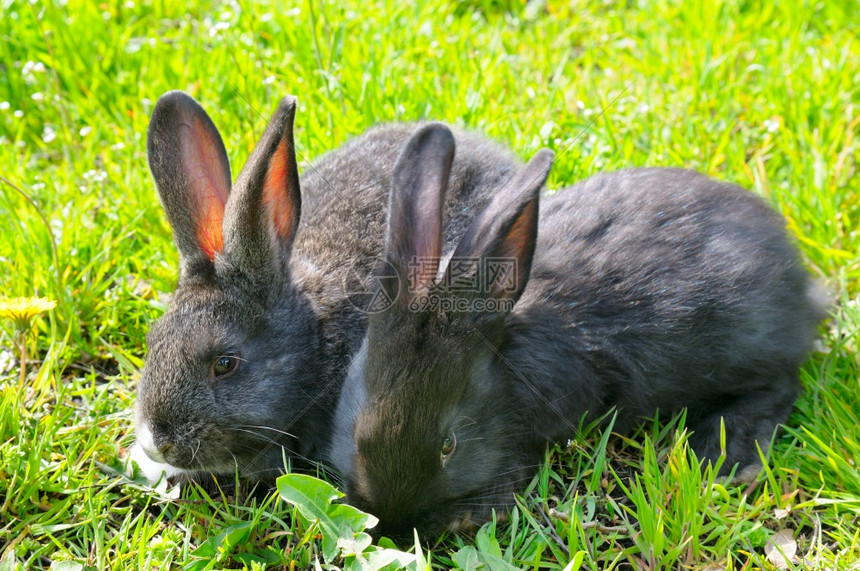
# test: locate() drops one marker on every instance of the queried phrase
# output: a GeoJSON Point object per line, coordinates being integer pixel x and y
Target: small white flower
{"type": "Point", "coordinates": [37, 96]}
{"type": "Point", "coordinates": [6, 360]}
{"type": "Point", "coordinates": [217, 28]}
{"type": "Point", "coordinates": [48, 134]}
{"type": "Point", "coordinates": [129, 5]}
{"type": "Point", "coordinates": [38, 186]}
{"type": "Point", "coordinates": [269, 80]}
{"type": "Point", "coordinates": [771, 125]}
{"type": "Point", "coordinates": [134, 45]}
{"type": "Point", "coordinates": [85, 131]}
{"type": "Point", "coordinates": [118, 146]}
{"type": "Point", "coordinates": [4, 105]}
{"type": "Point", "coordinates": [95, 175]}
{"type": "Point", "coordinates": [32, 67]}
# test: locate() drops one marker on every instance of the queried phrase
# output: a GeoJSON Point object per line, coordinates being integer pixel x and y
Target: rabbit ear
{"type": "Point", "coordinates": [264, 208]}
{"type": "Point", "coordinates": [414, 241]}
{"type": "Point", "coordinates": [500, 243]}
{"type": "Point", "coordinates": [192, 173]}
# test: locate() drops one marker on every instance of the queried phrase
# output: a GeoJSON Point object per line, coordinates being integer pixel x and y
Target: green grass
{"type": "Point", "coordinates": [760, 93]}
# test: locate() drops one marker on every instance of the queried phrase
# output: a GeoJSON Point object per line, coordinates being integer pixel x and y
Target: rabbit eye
{"type": "Point", "coordinates": [448, 447]}
{"type": "Point", "coordinates": [224, 365]}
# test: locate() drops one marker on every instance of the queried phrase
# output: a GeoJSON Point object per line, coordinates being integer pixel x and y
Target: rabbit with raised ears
{"type": "Point", "coordinates": [245, 368]}
{"type": "Point", "coordinates": [643, 290]}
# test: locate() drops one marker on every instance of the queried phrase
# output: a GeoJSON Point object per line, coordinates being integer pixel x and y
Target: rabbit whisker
{"type": "Point", "coordinates": [458, 426]}
{"type": "Point", "coordinates": [263, 437]}
{"type": "Point", "coordinates": [337, 479]}
{"type": "Point", "coordinates": [195, 451]}
{"type": "Point", "coordinates": [273, 429]}
{"type": "Point", "coordinates": [270, 442]}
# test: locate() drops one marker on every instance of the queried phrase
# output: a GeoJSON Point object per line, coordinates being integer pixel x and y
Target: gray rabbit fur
{"type": "Point", "coordinates": [245, 368]}
{"type": "Point", "coordinates": [643, 290]}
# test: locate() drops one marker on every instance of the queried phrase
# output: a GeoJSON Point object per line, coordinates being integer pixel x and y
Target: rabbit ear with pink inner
{"type": "Point", "coordinates": [192, 173]}
{"type": "Point", "coordinates": [502, 239]}
{"type": "Point", "coordinates": [262, 215]}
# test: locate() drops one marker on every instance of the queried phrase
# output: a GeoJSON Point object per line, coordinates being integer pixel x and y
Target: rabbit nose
{"type": "Point", "coordinates": [147, 443]}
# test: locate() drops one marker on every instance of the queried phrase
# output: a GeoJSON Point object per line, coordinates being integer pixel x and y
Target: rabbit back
{"type": "Point", "coordinates": [673, 290]}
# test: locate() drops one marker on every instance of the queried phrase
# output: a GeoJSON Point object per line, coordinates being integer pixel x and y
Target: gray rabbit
{"type": "Point", "coordinates": [647, 289]}
{"type": "Point", "coordinates": [245, 368]}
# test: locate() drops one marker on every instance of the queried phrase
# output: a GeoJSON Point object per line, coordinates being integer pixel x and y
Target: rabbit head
{"type": "Point", "coordinates": [423, 433]}
{"type": "Point", "coordinates": [220, 386]}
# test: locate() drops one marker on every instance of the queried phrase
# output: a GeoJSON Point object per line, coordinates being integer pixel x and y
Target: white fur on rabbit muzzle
{"type": "Point", "coordinates": [147, 443]}
{"type": "Point", "coordinates": [183, 448]}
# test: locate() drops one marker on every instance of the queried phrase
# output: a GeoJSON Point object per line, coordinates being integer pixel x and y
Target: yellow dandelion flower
{"type": "Point", "coordinates": [22, 310]}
